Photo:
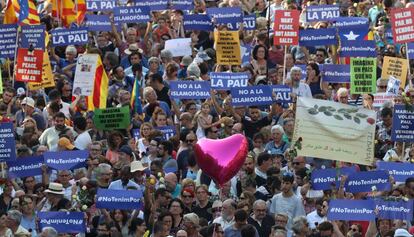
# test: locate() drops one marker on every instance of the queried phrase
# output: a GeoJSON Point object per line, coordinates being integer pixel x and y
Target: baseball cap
{"type": "Point", "coordinates": [28, 101]}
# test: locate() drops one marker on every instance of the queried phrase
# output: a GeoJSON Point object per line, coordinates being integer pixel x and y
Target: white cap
{"type": "Point", "coordinates": [28, 101]}
{"type": "Point", "coordinates": [401, 233]}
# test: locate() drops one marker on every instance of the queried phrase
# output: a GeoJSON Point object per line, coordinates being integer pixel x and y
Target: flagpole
{"type": "Point", "coordinates": [15, 54]}
{"type": "Point", "coordinates": [61, 13]}
{"type": "Point", "coordinates": [409, 69]}
{"type": "Point", "coordinates": [57, 11]}
{"type": "Point", "coordinates": [268, 34]}
{"type": "Point", "coordinates": [284, 65]}
{"type": "Point", "coordinates": [76, 10]}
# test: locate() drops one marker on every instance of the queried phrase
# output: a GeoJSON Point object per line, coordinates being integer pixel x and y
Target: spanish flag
{"type": "Point", "coordinates": [21, 11]}
{"type": "Point", "coordinates": [100, 88]}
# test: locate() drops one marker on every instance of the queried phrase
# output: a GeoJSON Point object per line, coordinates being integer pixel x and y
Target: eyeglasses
{"type": "Point", "coordinates": [187, 196]}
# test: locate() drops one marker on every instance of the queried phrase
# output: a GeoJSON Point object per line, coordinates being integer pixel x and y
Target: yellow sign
{"type": "Point", "coordinates": [335, 131]}
{"type": "Point", "coordinates": [47, 75]}
{"type": "Point", "coordinates": [227, 47]}
{"type": "Point", "coordinates": [396, 67]}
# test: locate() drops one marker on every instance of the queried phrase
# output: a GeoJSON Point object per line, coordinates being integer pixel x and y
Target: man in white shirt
{"type": "Point", "coordinates": [50, 136]}
{"type": "Point", "coordinates": [317, 216]}
{"type": "Point", "coordinates": [227, 217]}
{"type": "Point", "coordinates": [55, 96]}
{"type": "Point", "coordinates": [83, 140]}
{"type": "Point", "coordinates": [298, 87]}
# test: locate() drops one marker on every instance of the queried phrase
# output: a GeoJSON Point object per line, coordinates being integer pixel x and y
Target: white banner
{"type": "Point", "coordinates": [85, 74]}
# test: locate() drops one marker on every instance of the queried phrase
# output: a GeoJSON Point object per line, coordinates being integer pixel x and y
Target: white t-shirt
{"type": "Point", "coordinates": [83, 140]}
{"type": "Point", "coordinates": [303, 90]}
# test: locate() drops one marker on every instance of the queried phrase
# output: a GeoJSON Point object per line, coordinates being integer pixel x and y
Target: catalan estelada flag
{"type": "Point", "coordinates": [21, 11]}
{"type": "Point", "coordinates": [100, 88]}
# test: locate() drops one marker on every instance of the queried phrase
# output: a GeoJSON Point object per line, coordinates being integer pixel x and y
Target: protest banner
{"type": "Point", "coordinates": [119, 199]}
{"type": "Point", "coordinates": [190, 89]}
{"type": "Point", "coordinates": [251, 95]}
{"type": "Point", "coordinates": [167, 131]}
{"type": "Point", "coordinates": [317, 37]}
{"type": "Point", "coordinates": [73, 36]}
{"type": "Point", "coordinates": [100, 5]}
{"type": "Point", "coordinates": [366, 181]}
{"type": "Point", "coordinates": [351, 210]}
{"type": "Point", "coordinates": [396, 67]}
{"type": "Point", "coordinates": [350, 22]}
{"type": "Point", "coordinates": [322, 12]}
{"type": "Point", "coordinates": [66, 160]}
{"type": "Point", "coordinates": [182, 4]}
{"type": "Point", "coordinates": [179, 47]}
{"type": "Point", "coordinates": [335, 131]}
{"type": "Point", "coordinates": [25, 167]}
{"type": "Point", "coordinates": [336, 73]}
{"type": "Point", "coordinates": [245, 53]}
{"type": "Point", "coordinates": [47, 75]}
{"type": "Point", "coordinates": [394, 210]}
{"type": "Point", "coordinates": [410, 50]}
{"type": "Point", "coordinates": [399, 171]}
{"type": "Point", "coordinates": [197, 22]}
{"type": "Point", "coordinates": [29, 65]}
{"type": "Point", "coordinates": [226, 81]}
{"type": "Point", "coordinates": [286, 27]}
{"type": "Point", "coordinates": [393, 86]}
{"type": "Point", "coordinates": [112, 118]}
{"type": "Point", "coordinates": [402, 124]}
{"type": "Point", "coordinates": [132, 14]}
{"type": "Point", "coordinates": [34, 36]}
{"type": "Point", "coordinates": [227, 47]}
{"type": "Point", "coordinates": [85, 74]}
{"type": "Point", "coordinates": [99, 23]}
{"type": "Point", "coordinates": [7, 142]}
{"type": "Point", "coordinates": [158, 5]}
{"type": "Point", "coordinates": [324, 179]}
{"type": "Point", "coordinates": [363, 75]}
{"type": "Point", "coordinates": [354, 34]}
{"type": "Point", "coordinates": [63, 222]}
{"type": "Point", "coordinates": [364, 48]}
{"type": "Point", "coordinates": [282, 93]}
{"type": "Point", "coordinates": [8, 35]}
{"type": "Point", "coordinates": [381, 98]}
{"type": "Point", "coordinates": [226, 16]}
{"type": "Point", "coordinates": [402, 25]}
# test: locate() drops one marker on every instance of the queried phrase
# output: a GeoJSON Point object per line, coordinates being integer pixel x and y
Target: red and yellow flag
{"type": "Point", "coordinates": [23, 12]}
{"type": "Point", "coordinates": [80, 16]}
{"type": "Point", "coordinates": [65, 10]}
{"type": "Point", "coordinates": [100, 88]}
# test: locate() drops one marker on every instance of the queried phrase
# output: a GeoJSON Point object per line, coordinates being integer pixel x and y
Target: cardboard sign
{"type": "Point", "coordinates": [7, 142]}
{"type": "Point", "coordinates": [33, 35]}
{"type": "Point", "coordinates": [132, 14]}
{"type": "Point", "coordinates": [402, 124]}
{"type": "Point", "coordinates": [286, 27]}
{"type": "Point", "coordinates": [396, 67]}
{"type": "Point", "coordinates": [363, 75]}
{"type": "Point", "coordinates": [74, 36]}
{"type": "Point", "coordinates": [47, 75]}
{"type": "Point", "coordinates": [8, 34]}
{"type": "Point", "coordinates": [112, 118]}
{"type": "Point", "coordinates": [190, 89]}
{"type": "Point", "coordinates": [335, 131]}
{"type": "Point", "coordinates": [322, 12]}
{"type": "Point", "coordinates": [227, 47]}
{"type": "Point", "coordinates": [29, 65]}
{"type": "Point", "coordinates": [402, 21]}
{"type": "Point", "coordinates": [85, 74]}
{"type": "Point", "coordinates": [100, 5]}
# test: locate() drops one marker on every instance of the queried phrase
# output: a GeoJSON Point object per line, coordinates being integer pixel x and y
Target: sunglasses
{"type": "Point", "coordinates": [190, 141]}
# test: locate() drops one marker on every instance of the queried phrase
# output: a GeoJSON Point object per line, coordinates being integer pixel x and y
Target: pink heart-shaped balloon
{"type": "Point", "coordinates": [221, 159]}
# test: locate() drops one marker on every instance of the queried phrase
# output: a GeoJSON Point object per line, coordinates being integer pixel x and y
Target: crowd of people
{"type": "Point", "coordinates": [271, 195]}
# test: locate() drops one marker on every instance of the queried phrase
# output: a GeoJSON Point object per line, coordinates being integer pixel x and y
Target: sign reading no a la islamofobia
{"type": "Point", "coordinates": [335, 131]}
{"type": "Point", "coordinates": [112, 118]}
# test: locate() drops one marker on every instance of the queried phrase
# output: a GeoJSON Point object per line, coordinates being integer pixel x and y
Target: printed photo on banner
{"type": "Point", "coordinates": [335, 131]}
{"type": "Point", "coordinates": [393, 86]}
{"type": "Point", "coordinates": [396, 67]}
{"type": "Point", "coordinates": [84, 74]}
